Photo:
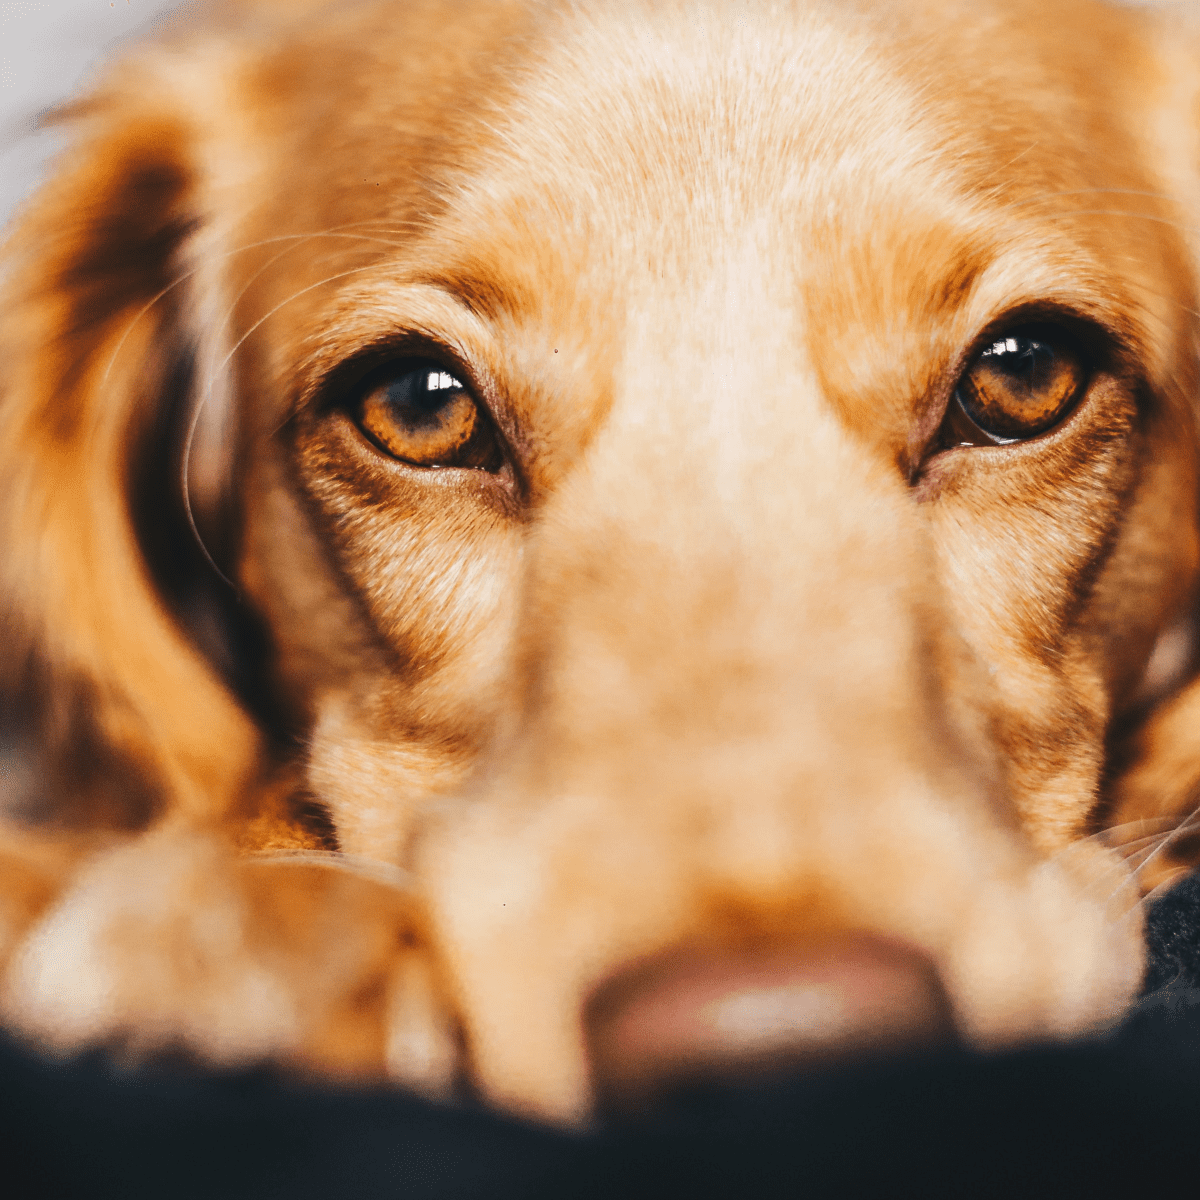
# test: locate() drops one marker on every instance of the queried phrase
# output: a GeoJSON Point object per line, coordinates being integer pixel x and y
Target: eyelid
{"type": "Point", "coordinates": [389, 317]}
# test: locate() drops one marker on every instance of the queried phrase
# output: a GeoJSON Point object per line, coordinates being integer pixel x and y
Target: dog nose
{"type": "Point", "coordinates": [743, 1014]}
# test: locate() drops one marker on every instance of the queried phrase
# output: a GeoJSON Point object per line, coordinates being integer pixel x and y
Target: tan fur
{"type": "Point", "coordinates": [730, 654]}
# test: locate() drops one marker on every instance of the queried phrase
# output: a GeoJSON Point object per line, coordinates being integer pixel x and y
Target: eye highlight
{"type": "Point", "coordinates": [419, 412]}
{"type": "Point", "coordinates": [1022, 383]}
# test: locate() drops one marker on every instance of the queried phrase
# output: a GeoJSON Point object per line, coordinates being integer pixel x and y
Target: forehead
{"type": "Point", "coordinates": [905, 171]}
{"type": "Point", "coordinates": [666, 143]}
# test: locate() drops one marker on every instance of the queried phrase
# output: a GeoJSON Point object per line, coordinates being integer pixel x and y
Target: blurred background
{"type": "Point", "coordinates": [48, 50]}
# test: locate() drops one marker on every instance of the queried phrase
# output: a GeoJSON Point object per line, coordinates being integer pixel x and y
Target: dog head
{"type": "Point", "coordinates": [712, 492]}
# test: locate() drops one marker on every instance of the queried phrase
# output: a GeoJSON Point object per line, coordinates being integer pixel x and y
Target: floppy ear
{"type": "Point", "coordinates": [129, 716]}
{"type": "Point", "coordinates": [1156, 764]}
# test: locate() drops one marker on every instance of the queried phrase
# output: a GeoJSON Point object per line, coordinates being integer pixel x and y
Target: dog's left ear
{"type": "Point", "coordinates": [1155, 785]}
{"type": "Point", "coordinates": [96, 337]}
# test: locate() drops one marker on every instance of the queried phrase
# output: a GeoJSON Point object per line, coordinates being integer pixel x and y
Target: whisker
{"type": "Point", "coordinates": [1137, 852]}
{"type": "Point", "coordinates": [1189, 822]}
{"type": "Point", "coordinates": [1155, 218]}
{"type": "Point", "coordinates": [1128, 850]}
{"type": "Point", "coordinates": [207, 393]}
{"type": "Point", "coordinates": [1120, 836]}
{"type": "Point", "coordinates": [334, 230]}
{"type": "Point", "coordinates": [283, 303]}
{"type": "Point", "coordinates": [1127, 841]}
{"type": "Point", "coordinates": [1137, 860]}
{"type": "Point", "coordinates": [1162, 888]}
{"type": "Point", "coordinates": [1103, 879]}
{"type": "Point", "coordinates": [297, 244]}
{"type": "Point", "coordinates": [1182, 227]}
{"type": "Point", "coordinates": [296, 240]}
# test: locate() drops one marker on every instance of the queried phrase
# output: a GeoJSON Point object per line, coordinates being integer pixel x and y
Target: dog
{"type": "Point", "coordinates": [556, 548]}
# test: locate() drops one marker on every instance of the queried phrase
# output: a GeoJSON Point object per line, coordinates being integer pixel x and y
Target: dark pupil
{"type": "Point", "coordinates": [1026, 362]}
{"type": "Point", "coordinates": [419, 395]}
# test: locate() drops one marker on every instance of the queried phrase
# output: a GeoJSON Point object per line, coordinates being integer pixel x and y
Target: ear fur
{"type": "Point", "coordinates": [128, 716]}
{"type": "Point", "coordinates": [1156, 767]}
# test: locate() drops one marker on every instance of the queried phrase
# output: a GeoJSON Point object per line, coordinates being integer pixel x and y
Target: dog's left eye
{"type": "Point", "coordinates": [1019, 385]}
{"type": "Point", "coordinates": [421, 413]}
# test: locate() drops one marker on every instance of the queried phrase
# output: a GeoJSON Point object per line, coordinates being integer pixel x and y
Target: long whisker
{"type": "Point", "coordinates": [184, 277]}
{"type": "Point", "coordinates": [1137, 860]}
{"type": "Point", "coordinates": [333, 231]}
{"type": "Point", "coordinates": [1129, 850]}
{"type": "Point", "coordinates": [1162, 888]}
{"type": "Point", "coordinates": [1190, 822]}
{"type": "Point", "coordinates": [1119, 836]}
{"type": "Point", "coordinates": [1127, 844]}
{"type": "Point", "coordinates": [212, 383]}
{"type": "Point", "coordinates": [283, 303]}
{"type": "Point", "coordinates": [1135, 848]}
{"type": "Point", "coordinates": [1182, 227]}
{"type": "Point", "coordinates": [296, 245]}
{"type": "Point", "coordinates": [296, 241]}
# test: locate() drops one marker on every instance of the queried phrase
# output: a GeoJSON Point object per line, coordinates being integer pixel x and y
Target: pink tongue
{"type": "Point", "coordinates": [737, 1014]}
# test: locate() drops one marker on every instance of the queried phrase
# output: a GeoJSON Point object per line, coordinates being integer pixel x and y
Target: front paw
{"type": "Point", "coordinates": [174, 944]}
{"type": "Point", "coordinates": [35, 868]}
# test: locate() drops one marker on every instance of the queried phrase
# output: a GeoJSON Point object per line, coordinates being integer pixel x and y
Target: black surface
{"type": "Point", "coordinates": [1173, 938]}
{"type": "Point", "coordinates": [1119, 1117]}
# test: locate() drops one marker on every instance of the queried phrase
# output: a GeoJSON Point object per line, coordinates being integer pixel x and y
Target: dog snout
{"type": "Point", "coordinates": [736, 1014]}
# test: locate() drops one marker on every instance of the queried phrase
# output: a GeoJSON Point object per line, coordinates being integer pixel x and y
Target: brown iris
{"type": "Point", "coordinates": [1019, 385]}
{"type": "Point", "coordinates": [419, 412]}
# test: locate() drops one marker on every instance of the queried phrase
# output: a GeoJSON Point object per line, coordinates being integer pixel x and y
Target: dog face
{"type": "Point", "coordinates": [708, 486]}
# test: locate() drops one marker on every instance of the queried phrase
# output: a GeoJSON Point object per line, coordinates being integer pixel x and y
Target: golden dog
{"type": "Point", "coordinates": [551, 547]}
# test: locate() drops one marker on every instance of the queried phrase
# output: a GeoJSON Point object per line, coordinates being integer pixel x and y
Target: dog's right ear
{"type": "Point", "coordinates": [126, 713]}
{"type": "Point", "coordinates": [1154, 772]}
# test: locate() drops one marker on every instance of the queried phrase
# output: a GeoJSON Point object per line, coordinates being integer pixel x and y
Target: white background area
{"type": "Point", "coordinates": [48, 50]}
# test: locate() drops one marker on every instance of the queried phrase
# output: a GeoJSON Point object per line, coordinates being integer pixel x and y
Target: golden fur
{"type": "Point", "coordinates": [732, 654]}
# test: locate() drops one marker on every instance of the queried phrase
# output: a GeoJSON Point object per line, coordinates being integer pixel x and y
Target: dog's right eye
{"type": "Point", "coordinates": [421, 413]}
{"type": "Point", "coordinates": [1021, 384]}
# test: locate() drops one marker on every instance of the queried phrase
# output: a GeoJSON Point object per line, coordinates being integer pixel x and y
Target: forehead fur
{"type": "Point", "coordinates": [784, 168]}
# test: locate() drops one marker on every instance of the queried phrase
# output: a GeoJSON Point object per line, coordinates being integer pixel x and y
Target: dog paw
{"type": "Point", "coordinates": [173, 944]}
{"type": "Point", "coordinates": [35, 869]}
